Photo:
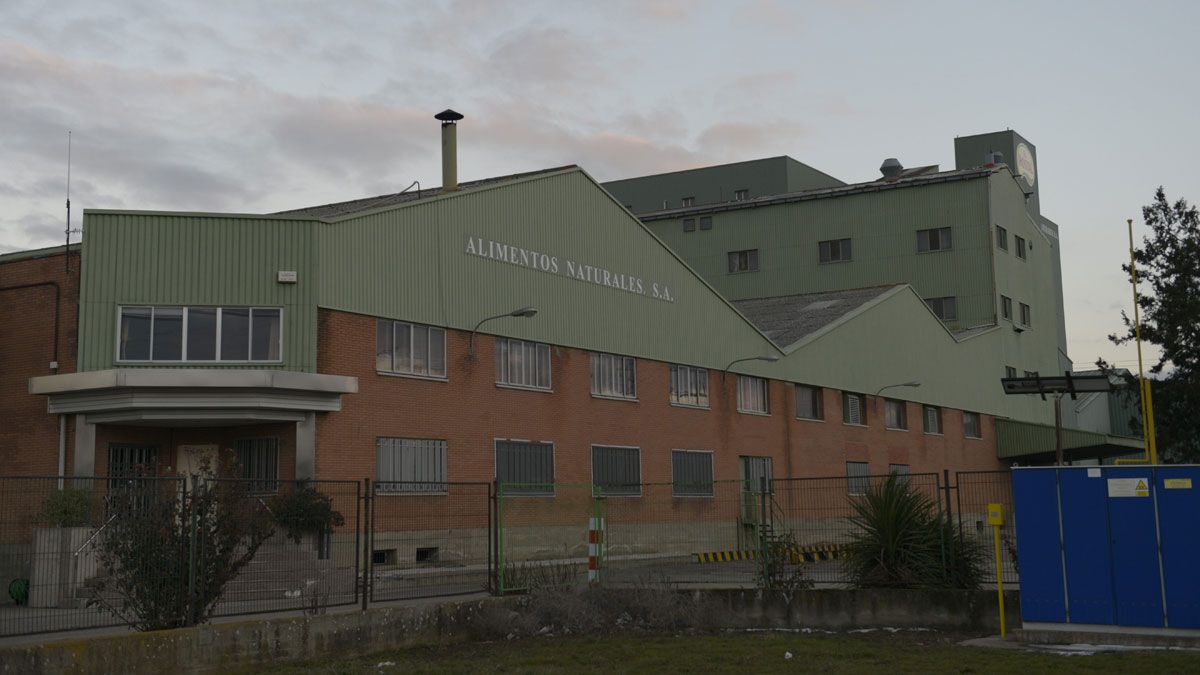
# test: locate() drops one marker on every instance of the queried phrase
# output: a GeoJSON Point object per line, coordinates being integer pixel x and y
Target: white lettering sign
{"type": "Point", "coordinates": [575, 269]}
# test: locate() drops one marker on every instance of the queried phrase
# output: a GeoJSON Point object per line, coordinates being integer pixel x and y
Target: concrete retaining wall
{"type": "Point", "coordinates": [218, 647]}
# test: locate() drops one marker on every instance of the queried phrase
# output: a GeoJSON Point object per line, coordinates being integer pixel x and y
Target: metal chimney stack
{"type": "Point", "coordinates": [449, 120]}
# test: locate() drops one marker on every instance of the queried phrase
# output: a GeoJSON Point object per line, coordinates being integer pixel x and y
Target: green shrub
{"type": "Point", "coordinates": [902, 540]}
{"type": "Point", "coordinates": [304, 510]}
{"type": "Point", "coordinates": [65, 508]}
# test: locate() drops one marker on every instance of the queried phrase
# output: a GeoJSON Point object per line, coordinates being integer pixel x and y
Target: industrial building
{"type": "Point", "coordinates": [756, 319]}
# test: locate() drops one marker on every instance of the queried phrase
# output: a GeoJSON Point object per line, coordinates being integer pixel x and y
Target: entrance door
{"type": "Point", "coordinates": [195, 462]}
{"type": "Point", "coordinates": [754, 471]}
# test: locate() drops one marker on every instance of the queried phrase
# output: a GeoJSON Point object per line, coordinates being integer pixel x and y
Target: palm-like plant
{"type": "Point", "coordinates": [902, 540]}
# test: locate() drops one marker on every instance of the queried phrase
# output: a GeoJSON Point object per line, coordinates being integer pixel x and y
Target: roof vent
{"type": "Point", "coordinates": [449, 120]}
{"type": "Point", "coordinates": [891, 168]}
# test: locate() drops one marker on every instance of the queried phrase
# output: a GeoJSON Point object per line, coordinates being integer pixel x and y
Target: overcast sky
{"type": "Point", "coordinates": [262, 106]}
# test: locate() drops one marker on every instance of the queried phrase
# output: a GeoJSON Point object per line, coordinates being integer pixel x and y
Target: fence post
{"type": "Point", "coordinates": [193, 553]}
{"type": "Point", "coordinates": [368, 558]}
{"type": "Point", "coordinates": [762, 532]}
{"type": "Point", "coordinates": [499, 537]}
{"type": "Point", "coordinates": [359, 526]}
{"type": "Point", "coordinates": [493, 587]}
{"type": "Point", "coordinates": [948, 545]}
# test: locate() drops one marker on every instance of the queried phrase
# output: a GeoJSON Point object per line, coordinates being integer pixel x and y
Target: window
{"type": "Point", "coordinates": [946, 309]}
{"type": "Point", "coordinates": [857, 480]}
{"type": "Point", "coordinates": [938, 239]}
{"type": "Point", "coordinates": [200, 334]}
{"type": "Point", "coordinates": [128, 460]}
{"type": "Point", "coordinates": [1020, 247]}
{"type": "Point", "coordinates": [616, 470]}
{"type": "Point", "coordinates": [808, 403]}
{"type": "Point", "coordinates": [895, 414]}
{"type": "Point", "coordinates": [900, 471]}
{"type": "Point", "coordinates": [1009, 371]}
{"type": "Point", "coordinates": [689, 386]}
{"type": "Point", "coordinates": [1001, 238]}
{"type": "Point", "coordinates": [1026, 319]}
{"type": "Point", "coordinates": [614, 375]}
{"type": "Point", "coordinates": [1031, 373]}
{"type": "Point", "coordinates": [741, 195]}
{"type": "Point", "coordinates": [258, 461]}
{"type": "Point", "coordinates": [687, 201]}
{"type": "Point", "coordinates": [1006, 307]}
{"type": "Point", "coordinates": [410, 349]}
{"type": "Point", "coordinates": [522, 364]}
{"type": "Point", "coordinates": [525, 468]}
{"type": "Point", "coordinates": [971, 426]}
{"type": "Point", "coordinates": [705, 222]}
{"type": "Point", "coordinates": [854, 408]}
{"type": "Point", "coordinates": [743, 261]}
{"type": "Point", "coordinates": [933, 419]}
{"type": "Point", "coordinates": [410, 465]}
{"type": "Point", "coordinates": [689, 224]}
{"type": "Point", "coordinates": [691, 473]}
{"type": "Point", "coordinates": [752, 394]}
{"type": "Point", "coordinates": [834, 250]}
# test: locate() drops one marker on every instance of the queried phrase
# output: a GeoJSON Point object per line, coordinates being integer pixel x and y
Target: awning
{"type": "Point", "coordinates": [1028, 441]}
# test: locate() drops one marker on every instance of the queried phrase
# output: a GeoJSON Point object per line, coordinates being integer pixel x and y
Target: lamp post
{"type": "Point", "coordinates": [768, 359]}
{"type": "Point", "coordinates": [914, 384]}
{"type": "Point", "coordinates": [523, 313]}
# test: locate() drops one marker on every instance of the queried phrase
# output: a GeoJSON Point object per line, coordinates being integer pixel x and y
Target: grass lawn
{"type": "Point", "coordinates": [747, 653]}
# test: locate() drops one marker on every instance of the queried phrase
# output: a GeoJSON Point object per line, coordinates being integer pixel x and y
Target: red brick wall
{"type": "Point", "coordinates": [28, 434]}
{"type": "Point", "coordinates": [469, 411]}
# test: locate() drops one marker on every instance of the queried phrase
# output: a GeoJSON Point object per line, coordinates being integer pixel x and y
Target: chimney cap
{"type": "Point", "coordinates": [448, 115]}
{"type": "Point", "coordinates": [891, 168]}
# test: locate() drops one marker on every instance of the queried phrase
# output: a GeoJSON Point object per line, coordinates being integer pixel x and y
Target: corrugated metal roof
{"type": "Point", "coordinates": [823, 193]}
{"type": "Point", "coordinates": [790, 318]}
{"type": "Point", "coordinates": [338, 209]}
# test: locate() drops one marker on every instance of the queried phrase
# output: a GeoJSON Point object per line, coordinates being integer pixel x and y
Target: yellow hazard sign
{"type": "Point", "coordinates": [1128, 487]}
{"type": "Point", "coordinates": [1177, 483]}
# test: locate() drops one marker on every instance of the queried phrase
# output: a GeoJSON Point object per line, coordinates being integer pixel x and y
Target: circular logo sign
{"type": "Point", "coordinates": [1025, 163]}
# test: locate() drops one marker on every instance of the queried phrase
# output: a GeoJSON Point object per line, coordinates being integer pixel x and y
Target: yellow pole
{"type": "Point", "coordinates": [1151, 453]}
{"type": "Point", "coordinates": [996, 519]}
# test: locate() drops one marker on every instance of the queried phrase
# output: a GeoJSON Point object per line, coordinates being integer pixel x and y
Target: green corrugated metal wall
{"type": "Point", "coordinates": [186, 259]}
{"type": "Point", "coordinates": [1018, 439]}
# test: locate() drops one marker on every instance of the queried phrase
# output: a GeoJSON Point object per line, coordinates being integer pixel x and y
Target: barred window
{"type": "Point", "coordinates": [258, 461]}
{"type": "Point", "coordinates": [854, 408]}
{"type": "Point", "coordinates": [522, 364]}
{"type": "Point", "coordinates": [689, 224]}
{"type": "Point", "coordinates": [808, 403]}
{"type": "Point", "coordinates": [410, 349]}
{"type": "Point", "coordinates": [616, 470]}
{"type": "Point", "coordinates": [937, 239]}
{"type": "Point", "coordinates": [689, 385]}
{"type": "Point", "coordinates": [896, 414]}
{"type": "Point", "coordinates": [857, 480]}
{"type": "Point", "coordinates": [752, 394]}
{"type": "Point", "coordinates": [614, 375]}
{"type": "Point", "coordinates": [705, 222]}
{"type": "Point", "coordinates": [933, 419]}
{"type": "Point", "coordinates": [971, 426]}
{"type": "Point", "coordinates": [525, 468]}
{"type": "Point", "coordinates": [691, 473]}
{"type": "Point", "coordinates": [404, 465]}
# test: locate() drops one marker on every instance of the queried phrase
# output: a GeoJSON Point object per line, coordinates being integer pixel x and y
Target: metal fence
{"type": "Point", "coordinates": [974, 490]}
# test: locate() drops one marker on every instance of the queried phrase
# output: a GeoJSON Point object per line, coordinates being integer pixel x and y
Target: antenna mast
{"type": "Point", "coordinates": [67, 252]}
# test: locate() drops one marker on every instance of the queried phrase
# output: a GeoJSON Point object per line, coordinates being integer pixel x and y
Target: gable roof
{"type": "Point", "coordinates": [354, 206]}
{"type": "Point", "coordinates": [788, 319]}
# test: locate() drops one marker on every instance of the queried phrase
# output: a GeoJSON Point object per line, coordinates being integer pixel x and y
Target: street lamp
{"type": "Point", "coordinates": [769, 359]}
{"type": "Point", "coordinates": [523, 313]}
{"type": "Point", "coordinates": [914, 384]}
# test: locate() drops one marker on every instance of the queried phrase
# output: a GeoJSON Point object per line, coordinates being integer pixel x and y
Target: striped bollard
{"type": "Point", "coordinates": [595, 547]}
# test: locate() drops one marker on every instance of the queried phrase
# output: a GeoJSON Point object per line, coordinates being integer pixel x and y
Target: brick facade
{"type": "Point", "coordinates": [469, 410]}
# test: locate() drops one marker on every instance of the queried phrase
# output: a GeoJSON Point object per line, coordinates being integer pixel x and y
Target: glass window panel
{"type": "Point", "coordinates": [135, 333]}
{"type": "Point", "coordinates": [201, 333]}
{"type": "Point", "coordinates": [264, 333]}
{"type": "Point", "coordinates": [168, 334]}
{"type": "Point", "coordinates": [502, 360]}
{"type": "Point", "coordinates": [437, 352]}
{"type": "Point", "coordinates": [235, 334]}
{"type": "Point", "coordinates": [403, 348]}
{"type": "Point", "coordinates": [383, 345]}
{"type": "Point", "coordinates": [420, 350]}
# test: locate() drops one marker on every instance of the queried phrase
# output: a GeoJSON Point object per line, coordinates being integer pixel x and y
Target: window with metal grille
{"type": "Point", "coordinates": [971, 425]}
{"type": "Point", "coordinates": [614, 376]}
{"type": "Point", "coordinates": [689, 224]}
{"type": "Point", "coordinates": [854, 408]}
{"type": "Point", "coordinates": [525, 468]}
{"type": "Point", "coordinates": [404, 465]}
{"type": "Point", "coordinates": [127, 460]}
{"type": "Point", "coordinates": [933, 419]}
{"type": "Point", "coordinates": [1021, 253]}
{"type": "Point", "coordinates": [258, 461]}
{"type": "Point", "coordinates": [1026, 315]}
{"type": "Point", "coordinates": [522, 364]}
{"type": "Point", "coordinates": [895, 414]}
{"type": "Point", "coordinates": [741, 195]}
{"type": "Point", "coordinates": [200, 334]}
{"type": "Point", "coordinates": [616, 470]}
{"type": "Point", "coordinates": [857, 480]}
{"type": "Point", "coordinates": [946, 308]}
{"type": "Point", "coordinates": [834, 250]}
{"type": "Point", "coordinates": [1006, 307]}
{"type": "Point", "coordinates": [937, 239]}
{"type": "Point", "coordinates": [705, 222]}
{"type": "Point", "coordinates": [691, 473]}
{"type": "Point", "coordinates": [743, 261]}
{"type": "Point", "coordinates": [1001, 238]}
{"type": "Point", "coordinates": [689, 386]}
{"type": "Point", "coordinates": [752, 395]}
{"type": "Point", "coordinates": [410, 349]}
{"type": "Point", "coordinates": [808, 403]}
